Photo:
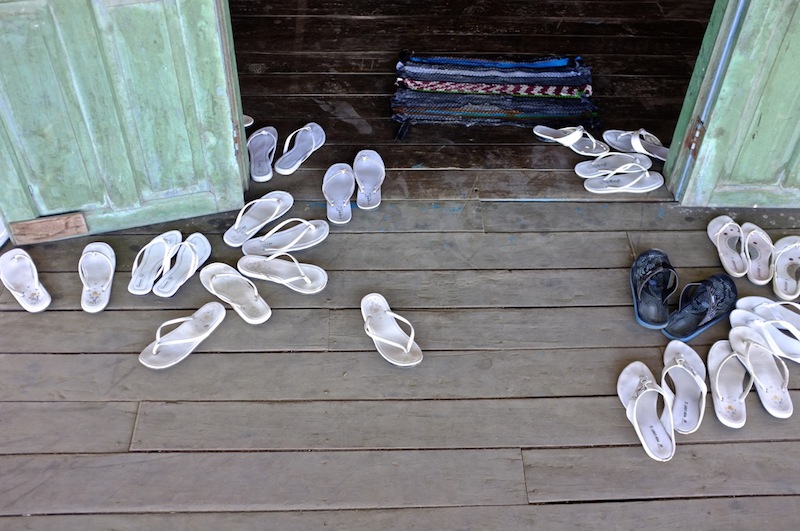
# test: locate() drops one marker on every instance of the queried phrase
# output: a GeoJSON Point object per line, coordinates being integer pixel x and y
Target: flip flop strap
{"type": "Point", "coordinates": [646, 385]}
{"type": "Point", "coordinates": [673, 276]}
{"type": "Point", "coordinates": [407, 348]}
{"type": "Point", "coordinates": [150, 244]}
{"type": "Point", "coordinates": [251, 204]}
{"type": "Point", "coordinates": [721, 230]}
{"type": "Point", "coordinates": [33, 270]}
{"type": "Point", "coordinates": [749, 380]}
{"type": "Point", "coordinates": [302, 276]}
{"type": "Point", "coordinates": [641, 134]}
{"type": "Point", "coordinates": [279, 226]}
{"type": "Point", "coordinates": [347, 199]}
{"type": "Point", "coordinates": [291, 136]}
{"type": "Point", "coordinates": [638, 178]}
{"type": "Point", "coordinates": [780, 253]}
{"type": "Point", "coordinates": [225, 298]}
{"type": "Point", "coordinates": [82, 273]}
{"type": "Point", "coordinates": [772, 306]}
{"type": "Point", "coordinates": [761, 324]}
{"type": "Point", "coordinates": [711, 300]}
{"type": "Point", "coordinates": [757, 232]}
{"type": "Point", "coordinates": [749, 365]}
{"type": "Point", "coordinates": [679, 362]}
{"type": "Point", "coordinates": [195, 258]}
{"type": "Point", "coordinates": [171, 342]}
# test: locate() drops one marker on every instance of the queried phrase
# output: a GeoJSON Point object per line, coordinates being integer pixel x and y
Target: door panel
{"type": "Point", "coordinates": [124, 110]}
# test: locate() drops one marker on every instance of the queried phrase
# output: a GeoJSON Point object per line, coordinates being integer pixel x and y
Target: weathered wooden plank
{"type": "Point", "coordinates": [314, 376]}
{"type": "Point", "coordinates": [588, 217]}
{"type": "Point", "coordinates": [431, 424]}
{"type": "Point", "coordinates": [672, 9]}
{"type": "Point", "coordinates": [131, 331]}
{"type": "Point", "coordinates": [391, 251]}
{"type": "Point", "coordinates": [409, 289]}
{"type": "Point", "coordinates": [81, 427]}
{"type": "Point", "coordinates": [496, 330]}
{"type": "Point", "coordinates": [167, 482]}
{"type": "Point", "coordinates": [659, 515]}
{"type": "Point", "coordinates": [696, 471]}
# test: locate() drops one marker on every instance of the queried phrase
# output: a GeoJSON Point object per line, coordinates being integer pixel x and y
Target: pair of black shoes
{"type": "Point", "coordinates": [701, 304]}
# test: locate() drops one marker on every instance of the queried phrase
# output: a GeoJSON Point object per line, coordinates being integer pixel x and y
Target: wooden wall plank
{"type": "Point", "coordinates": [166, 482]}
{"type": "Point", "coordinates": [659, 515]}
{"type": "Point", "coordinates": [696, 471]}
{"type": "Point", "coordinates": [82, 427]}
{"type": "Point", "coordinates": [540, 423]}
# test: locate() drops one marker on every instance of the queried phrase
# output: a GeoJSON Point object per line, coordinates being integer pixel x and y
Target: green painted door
{"type": "Point", "coordinates": [737, 142]}
{"type": "Point", "coordinates": [120, 112]}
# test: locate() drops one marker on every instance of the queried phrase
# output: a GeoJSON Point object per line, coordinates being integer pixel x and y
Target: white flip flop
{"type": "Point", "coordinates": [636, 142]}
{"type": "Point", "coordinates": [230, 286]}
{"type": "Point", "coordinates": [301, 236]}
{"type": "Point", "coordinates": [726, 235]}
{"type": "Point", "coordinates": [20, 276]}
{"type": "Point", "coordinates": [302, 278]}
{"type": "Point", "coordinates": [575, 138]}
{"type": "Point", "coordinates": [622, 180]}
{"type": "Point", "coordinates": [175, 346]}
{"type": "Point", "coordinates": [612, 162]}
{"type": "Point", "coordinates": [151, 260]}
{"type": "Point", "coordinates": [782, 336]}
{"type": "Point", "coordinates": [786, 261]}
{"type": "Point", "coordinates": [728, 390]}
{"type": "Point", "coordinates": [758, 249]}
{"type": "Point", "coordinates": [96, 271]}
{"type": "Point", "coordinates": [307, 140]}
{"type": "Point", "coordinates": [255, 214]}
{"type": "Point", "coordinates": [338, 186]}
{"type": "Point", "coordinates": [392, 342]}
{"type": "Point", "coordinates": [771, 378]}
{"type": "Point", "coordinates": [261, 146]}
{"type": "Point", "coordinates": [370, 171]}
{"type": "Point", "coordinates": [639, 393]}
{"type": "Point", "coordinates": [190, 254]}
{"type": "Point", "coordinates": [687, 374]}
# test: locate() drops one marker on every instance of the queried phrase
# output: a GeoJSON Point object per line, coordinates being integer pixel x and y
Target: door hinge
{"type": "Point", "coordinates": [236, 138]}
{"type": "Point", "coordinates": [694, 137]}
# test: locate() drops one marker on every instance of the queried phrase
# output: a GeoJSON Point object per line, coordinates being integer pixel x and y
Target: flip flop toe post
{"type": "Point", "coordinates": [641, 395]}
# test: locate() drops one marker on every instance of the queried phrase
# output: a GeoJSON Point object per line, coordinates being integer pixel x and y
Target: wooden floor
{"type": "Point", "coordinates": [515, 278]}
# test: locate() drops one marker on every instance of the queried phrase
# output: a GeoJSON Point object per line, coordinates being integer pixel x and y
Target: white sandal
{"type": "Point", "coordinates": [782, 335]}
{"type": "Point", "coordinates": [786, 261]}
{"type": "Point", "coordinates": [687, 372]}
{"type": "Point", "coordinates": [370, 171]}
{"type": "Point", "coordinates": [175, 346]}
{"type": "Point", "coordinates": [190, 254]}
{"type": "Point", "coordinates": [307, 140]}
{"type": "Point", "coordinates": [303, 235]}
{"type": "Point", "coordinates": [636, 142]}
{"type": "Point", "coordinates": [261, 147]}
{"type": "Point", "coordinates": [381, 324]}
{"type": "Point", "coordinates": [19, 275]}
{"type": "Point", "coordinates": [612, 162]}
{"type": "Point", "coordinates": [728, 390]}
{"type": "Point", "coordinates": [639, 393]}
{"type": "Point", "coordinates": [771, 378]}
{"type": "Point", "coordinates": [230, 286]}
{"type": "Point", "coordinates": [630, 178]}
{"type": "Point", "coordinates": [255, 215]}
{"type": "Point", "coordinates": [757, 250]}
{"type": "Point", "coordinates": [151, 260]}
{"type": "Point", "coordinates": [575, 138]}
{"type": "Point", "coordinates": [338, 185]}
{"type": "Point", "coordinates": [303, 278]}
{"type": "Point", "coordinates": [96, 271]}
{"type": "Point", "coordinates": [726, 235]}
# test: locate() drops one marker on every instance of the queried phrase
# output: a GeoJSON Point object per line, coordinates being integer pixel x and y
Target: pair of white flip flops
{"type": "Point", "coordinates": [734, 365]}
{"type": "Point", "coordinates": [682, 392]}
{"type": "Point", "coordinates": [263, 143]}
{"type": "Point", "coordinates": [382, 325]}
{"type": "Point", "coordinates": [155, 260]}
{"type": "Point", "coordinates": [583, 143]}
{"type": "Point", "coordinates": [368, 172]}
{"type": "Point", "coordinates": [747, 250]}
{"type": "Point", "coordinates": [95, 267]}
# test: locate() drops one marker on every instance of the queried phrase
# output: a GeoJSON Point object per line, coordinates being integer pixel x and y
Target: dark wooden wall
{"type": "Point", "coordinates": [332, 61]}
